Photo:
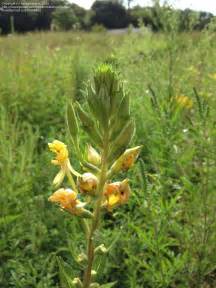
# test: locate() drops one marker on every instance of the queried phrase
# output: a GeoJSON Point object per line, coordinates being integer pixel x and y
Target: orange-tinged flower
{"type": "Point", "coordinates": [116, 194]}
{"type": "Point", "coordinates": [126, 160]}
{"type": "Point", "coordinates": [87, 183]}
{"type": "Point", "coordinates": [62, 160]}
{"type": "Point", "coordinates": [67, 199]}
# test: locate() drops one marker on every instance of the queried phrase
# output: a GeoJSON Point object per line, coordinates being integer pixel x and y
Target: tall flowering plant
{"type": "Point", "coordinates": [107, 121]}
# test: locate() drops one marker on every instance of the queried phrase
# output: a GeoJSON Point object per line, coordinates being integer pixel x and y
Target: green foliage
{"type": "Point", "coordinates": [110, 14]}
{"type": "Point", "coordinates": [64, 19]}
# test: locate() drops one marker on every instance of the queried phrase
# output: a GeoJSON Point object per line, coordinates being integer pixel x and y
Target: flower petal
{"type": "Point", "coordinates": [72, 170]}
{"type": "Point", "coordinates": [59, 178]}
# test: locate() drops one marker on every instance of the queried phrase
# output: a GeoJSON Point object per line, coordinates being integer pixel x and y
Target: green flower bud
{"type": "Point", "coordinates": [77, 283]}
{"type": "Point", "coordinates": [81, 258]}
{"type": "Point", "coordinates": [93, 156]}
{"type": "Point", "coordinates": [94, 285]}
{"type": "Point", "coordinates": [87, 183]}
{"type": "Point", "coordinates": [101, 249]}
{"type": "Point", "coordinates": [93, 273]}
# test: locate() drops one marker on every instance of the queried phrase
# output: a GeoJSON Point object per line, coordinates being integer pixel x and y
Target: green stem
{"type": "Point", "coordinates": [96, 217]}
{"type": "Point", "coordinates": [71, 181]}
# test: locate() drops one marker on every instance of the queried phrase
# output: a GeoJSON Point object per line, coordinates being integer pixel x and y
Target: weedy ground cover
{"type": "Point", "coordinates": [165, 236]}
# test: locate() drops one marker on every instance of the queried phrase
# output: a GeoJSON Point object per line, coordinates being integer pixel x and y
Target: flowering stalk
{"type": "Point", "coordinates": [110, 129]}
{"type": "Point", "coordinates": [96, 217]}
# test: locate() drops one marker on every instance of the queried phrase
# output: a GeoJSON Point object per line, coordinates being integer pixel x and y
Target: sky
{"type": "Point", "coordinates": [204, 5]}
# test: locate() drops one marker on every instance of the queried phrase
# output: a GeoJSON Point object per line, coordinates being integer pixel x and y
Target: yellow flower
{"type": "Point", "coordinates": [62, 160]}
{"type": "Point", "coordinates": [126, 160]}
{"type": "Point", "coordinates": [93, 156]}
{"type": "Point", "coordinates": [184, 101]}
{"type": "Point", "coordinates": [67, 199]}
{"type": "Point", "coordinates": [213, 76]}
{"type": "Point", "coordinates": [116, 194]}
{"type": "Point", "coordinates": [193, 70]}
{"type": "Point", "coordinates": [87, 183]}
{"type": "Point", "coordinates": [61, 151]}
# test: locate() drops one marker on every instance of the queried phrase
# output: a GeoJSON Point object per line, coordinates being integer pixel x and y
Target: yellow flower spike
{"type": "Point", "coordinates": [126, 160]}
{"type": "Point", "coordinates": [67, 199]}
{"type": "Point", "coordinates": [87, 183]}
{"type": "Point", "coordinates": [116, 194]}
{"type": "Point", "coordinates": [62, 160]}
{"type": "Point", "coordinates": [184, 102]}
{"type": "Point", "coordinates": [93, 156]}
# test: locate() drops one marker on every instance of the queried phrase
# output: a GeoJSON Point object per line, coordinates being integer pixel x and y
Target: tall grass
{"type": "Point", "coordinates": [169, 234]}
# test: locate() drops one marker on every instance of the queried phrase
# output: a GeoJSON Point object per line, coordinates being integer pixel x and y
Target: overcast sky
{"type": "Point", "coordinates": [204, 5]}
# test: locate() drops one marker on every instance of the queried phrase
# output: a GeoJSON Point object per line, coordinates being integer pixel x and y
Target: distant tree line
{"type": "Point", "coordinates": [111, 14]}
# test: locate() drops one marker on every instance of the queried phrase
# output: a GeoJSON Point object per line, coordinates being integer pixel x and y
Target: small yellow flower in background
{"type": "Point", "coordinates": [62, 160]}
{"type": "Point", "coordinates": [126, 160]}
{"type": "Point", "coordinates": [193, 70]}
{"type": "Point", "coordinates": [213, 76]}
{"type": "Point", "coordinates": [116, 194]}
{"type": "Point", "coordinates": [67, 199]}
{"type": "Point", "coordinates": [184, 101]}
{"type": "Point", "coordinates": [87, 183]}
{"type": "Point", "coordinates": [93, 156]}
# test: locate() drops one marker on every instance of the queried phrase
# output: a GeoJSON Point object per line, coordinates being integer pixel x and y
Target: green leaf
{"type": "Point", "coordinates": [124, 109]}
{"type": "Point", "coordinates": [104, 98]}
{"type": "Point", "coordinates": [6, 220]}
{"type": "Point", "coordinates": [95, 106]}
{"type": "Point", "coordinates": [72, 121]}
{"type": "Point", "coordinates": [66, 280]}
{"type": "Point", "coordinates": [108, 285]}
{"type": "Point", "coordinates": [122, 141]}
{"type": "Point", "coordinates": [89, 126]}
{"type": "Point", "coordinates": [72, 124]}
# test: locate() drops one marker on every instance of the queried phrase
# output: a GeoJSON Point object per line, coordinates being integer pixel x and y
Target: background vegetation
{"type": "Point", "coordinates": [110, 14]}
{"type": "Point", "coordinates": [165, 236]}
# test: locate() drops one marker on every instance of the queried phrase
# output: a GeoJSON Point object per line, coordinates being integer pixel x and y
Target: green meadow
{"type": "Point", "coordinates": [165, 237]}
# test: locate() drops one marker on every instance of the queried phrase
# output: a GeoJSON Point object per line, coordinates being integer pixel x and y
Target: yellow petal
{"type": "Point", "coordinates": [72, 170]}
{"type": "Point", "coordinates": [113, 200]}
{"type": "Point", "coordinates": [59, 178]}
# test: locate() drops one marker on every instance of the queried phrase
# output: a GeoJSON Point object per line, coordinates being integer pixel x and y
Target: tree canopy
{"type": "Point", "coordinates": [112, 14]}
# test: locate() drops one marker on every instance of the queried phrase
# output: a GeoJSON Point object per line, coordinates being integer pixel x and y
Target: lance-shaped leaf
{"type": "Point", "coordinates": [122, 140]}
{"type": "Point", "coordinates": [89, 126]}
{"type": "Point", "coordinates": [117, 96]}
{"type": "Point", "coordinates": [104, 97]}
{"type": "Point", "coordinates": [65, 273]}
{"type": "Point", "coordinates": [123, 115]}
{"type": "Point", "coordinates": [95, 106]}
{"type": "Point", "coordinates": [72, 123]}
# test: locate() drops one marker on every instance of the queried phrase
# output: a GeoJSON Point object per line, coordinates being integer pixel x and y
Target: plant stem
{"type": "Point", "coordinates": [96, 217]}
{"type": "Point", "coordinates": [71, 181]}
